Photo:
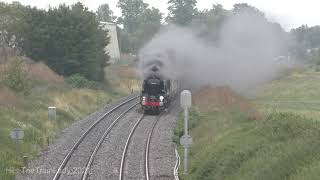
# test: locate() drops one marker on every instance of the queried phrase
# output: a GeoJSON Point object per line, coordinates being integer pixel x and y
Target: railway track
{"type": "Point", "coordinates": [121, 144]}
{"type": "Point", "coordinates": [146, 148]}
{"type": "Point", "coordinates": [118, 113]}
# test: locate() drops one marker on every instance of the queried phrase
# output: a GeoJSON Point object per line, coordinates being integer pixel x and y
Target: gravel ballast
{"type": "Point", "coordinates": [162, 156]}
{"type": "Point", "coordinates": [107, 161]}
{"type": "Point", "coordinates": [45, 166]}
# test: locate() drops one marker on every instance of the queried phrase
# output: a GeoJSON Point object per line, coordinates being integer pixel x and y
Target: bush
{"type": "Point", "coordinates": [15, 77]}
{"type": "Point", "coordinates": [194, 117]}
{"type": "Point", "coordinates": [79, 81]}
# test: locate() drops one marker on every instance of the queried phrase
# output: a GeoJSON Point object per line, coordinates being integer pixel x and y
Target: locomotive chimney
{"type": "Point", "coordinates": [155, 68]}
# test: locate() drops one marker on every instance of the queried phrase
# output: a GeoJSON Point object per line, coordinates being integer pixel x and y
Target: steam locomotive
{"type": "Point", "coordinates": [158, 87]}
{"type": "Point", "coordinates": [157, 93]}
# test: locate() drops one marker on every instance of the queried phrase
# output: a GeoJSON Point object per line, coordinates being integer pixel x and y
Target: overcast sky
{"type": "Point", "coordinates": [289, 13]}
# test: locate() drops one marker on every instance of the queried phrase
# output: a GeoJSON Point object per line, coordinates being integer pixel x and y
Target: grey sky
{"type": "Point", "coordinates": [290, 13]}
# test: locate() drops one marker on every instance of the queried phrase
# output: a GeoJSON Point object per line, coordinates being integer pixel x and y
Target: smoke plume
{"type": "Point", "coordinates": [243, 58]}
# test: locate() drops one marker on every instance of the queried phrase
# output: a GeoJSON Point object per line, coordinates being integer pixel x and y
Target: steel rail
{"type": "Point", "coordinates": [176, 167]}
{"type": "Point", "coordinates": [148, 148]}
{"type": "Point", "coordinates": [93, 154]}
{"type": "Point", "coordinates": [71, 151]}
{"type": "Point", "coordinates": [125, 149]}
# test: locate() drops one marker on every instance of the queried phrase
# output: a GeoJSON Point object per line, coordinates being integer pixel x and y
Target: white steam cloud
{"type": "Point", "coordinates": [243, 58]}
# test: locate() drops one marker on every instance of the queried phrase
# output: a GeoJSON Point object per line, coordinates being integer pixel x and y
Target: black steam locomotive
{"type": "Point", "coordinates": [157, 94]}
{"type": "Point", "coordinates": [158, 89]}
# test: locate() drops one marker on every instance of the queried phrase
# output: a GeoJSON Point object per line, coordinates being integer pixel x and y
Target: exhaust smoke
{"type": "Point", "coordinates": [243, 58]}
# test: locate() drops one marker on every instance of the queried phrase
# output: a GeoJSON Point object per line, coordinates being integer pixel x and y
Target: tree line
{"type": "Point", "coordinates": [140, 22]}
{"type": "Point", "coordinates": [306, 43]}
{"type": "Point", "coordinates": [67, 38]}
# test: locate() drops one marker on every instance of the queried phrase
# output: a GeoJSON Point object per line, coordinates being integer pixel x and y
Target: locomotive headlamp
{"type": "Point", "coordinates": [161, 98]}
{"type": "Point", "coordinates": [143, 100]}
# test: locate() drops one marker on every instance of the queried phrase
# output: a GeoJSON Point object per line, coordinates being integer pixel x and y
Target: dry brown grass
{"type": "Point", "coordinates": [123, 77]}
{"type": "Point", "coordinates": [121, 72]}
{"type": "Point", "coordinates": [38, 71]}
{"type": "Point", "coordinates": [41, 72]}
{"type": "Point", "coordinates": [7, 97]}
{"type": "Point", "coordinates": [217, 98]}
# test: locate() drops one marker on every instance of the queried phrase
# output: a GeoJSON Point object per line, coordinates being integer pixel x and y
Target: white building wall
{"type": "Point", "coordinates": [113, 47]}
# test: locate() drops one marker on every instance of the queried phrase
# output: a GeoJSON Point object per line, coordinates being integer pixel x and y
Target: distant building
{"type": "Point", "coordinates": [113, 47]}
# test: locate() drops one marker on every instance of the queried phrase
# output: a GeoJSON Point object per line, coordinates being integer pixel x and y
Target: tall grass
{"type": "Point", "coordinates": [298, 92]}
{"type": "Point", "coordinates": [27, 89]}
{"type": "Point", "coordinates": [231, 145]}
{"type": "Point", "coordinates": [30, 114]}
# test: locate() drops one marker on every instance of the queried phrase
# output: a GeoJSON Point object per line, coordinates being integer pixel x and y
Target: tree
{"type": "Point", "coordinates": [12, 27]}
{"type": "Point", "coordinates": [139, 22]}
{"type": "Point", "coordinates": [305, 39]}
{"type": "Point", "coordinates": [245, 8]}
{"type": "Point", "coordinates": [150, 24]}
{"type": "Point", "coordinates": [208, 22]}
{"type": "Point", "coordinates": [181, 11]}
{"type": "Point", "coordinates": [104, 13]}
{"type": "Point", "coordinates": [69, 40]}
{"type": "Point", "coordinates": [14, 76]}
{"type": "Point", "coordinates": [131, 13]}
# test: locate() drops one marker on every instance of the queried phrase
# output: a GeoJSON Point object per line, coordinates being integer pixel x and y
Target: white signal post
{"type": "Point", "coordinates": [185, 140]}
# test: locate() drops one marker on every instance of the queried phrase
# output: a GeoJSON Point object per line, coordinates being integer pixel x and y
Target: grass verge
{"type": "Point", "coordinates": [30, 114]}
{"type": "Point", "coordinates": [282, 143]}
{"type": "Point", "coordinates": [231, 145]}
{"type": "Point", "coordinates": [298, 92]}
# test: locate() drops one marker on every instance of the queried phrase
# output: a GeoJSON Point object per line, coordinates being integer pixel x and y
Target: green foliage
{"type": "Point", "coordinates": [194, 117]}
{"type": "Point", "coordinates": [139, 22]}
{"type": "Point", "coordinates": [30, 114]}
{"type": "Point", "coordinates": [305, 41]}
{"type": "Point", "coordinates": [297, 91]}
{"type": "Point", "coordinates": [229, 145]}
{"type": "Point", "coordinates": [104, 13]}
{"type": "Point", "coordinates": [210, 21]}
{"type": "Point", "coordinates": [15, 77]}
{"type": "Point", "coordinates": [314, 56]}
{"type": "Point", "coordinates": [131, 11]}
{"type": "Point", "coordinates": [181, 12]}
{"type": "Point", "coordinates": [245, 8]}
{"type": "Point", "coordinates": [12, 25]}
{"type": "Point", "coordinates": [79, 81]}
{"type": "Point", "coordinates": [281, 144]}
{"type": "Point", "coordinates": [68, 38]}
{"type": "Point", "coordinates": [74, 43]}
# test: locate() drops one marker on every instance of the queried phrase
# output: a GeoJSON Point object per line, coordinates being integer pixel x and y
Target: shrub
{"type": "Point", "coordinates": [194, 117]}
{"type": "Point", "coordinates": [14, 76]}
{"type": "Point", "coordinates": [79, 81]}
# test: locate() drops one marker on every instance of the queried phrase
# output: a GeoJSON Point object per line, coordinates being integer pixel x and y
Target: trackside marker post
{"type": "Point", "coordinates": [52, 113]}
{"type": "Point", "coordinates": [185, 140]}
{"type": "Point", "coordinates": [17, 134]}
